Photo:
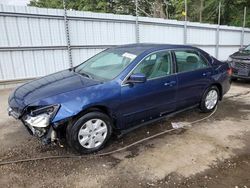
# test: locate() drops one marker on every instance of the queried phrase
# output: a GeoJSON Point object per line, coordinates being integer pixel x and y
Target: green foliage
{"type": "Point", "coordinates": [46, 3]}
{"type": "Point", "coordinates": [198, 10]}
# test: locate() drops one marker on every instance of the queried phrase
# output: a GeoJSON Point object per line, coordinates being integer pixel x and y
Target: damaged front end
{"type": "Point", "coordinates": [38, 122]}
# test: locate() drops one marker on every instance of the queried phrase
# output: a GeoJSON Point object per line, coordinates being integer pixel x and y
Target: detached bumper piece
{"type": "Point", "coordinates": [13, 113]}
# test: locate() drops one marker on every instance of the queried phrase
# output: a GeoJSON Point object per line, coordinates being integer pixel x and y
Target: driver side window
{"type": "Point", "coordinates": [155, 65]}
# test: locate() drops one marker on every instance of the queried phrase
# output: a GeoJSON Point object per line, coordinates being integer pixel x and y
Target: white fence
{"type": "Point", "coordinates": [33, 41]}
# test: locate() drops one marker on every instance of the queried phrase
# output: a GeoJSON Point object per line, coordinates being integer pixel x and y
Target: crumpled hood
{"type": "Point", "coordinates": [47, 86]}
{"type": "Point", "coordinates": [241, 55]}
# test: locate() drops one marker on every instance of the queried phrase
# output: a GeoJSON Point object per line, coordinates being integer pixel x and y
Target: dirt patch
{"type": "Point", "coordinates": [189, 153]}
{"type": "Point", "coordinates": [233, 172]}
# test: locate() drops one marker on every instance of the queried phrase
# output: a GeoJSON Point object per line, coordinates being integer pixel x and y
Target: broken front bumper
{"type": "Point", "coordinates": [46, 134]}
{"type": "Point", "coordinates": [13, 113]}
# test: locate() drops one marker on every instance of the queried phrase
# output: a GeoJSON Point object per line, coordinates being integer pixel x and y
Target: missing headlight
{"type": "Point", "coordinates": [41, 120]}
{"type": "Point", "coordinates": [48, 109]}
{"type": "Point", "coordinates": [41, 117]}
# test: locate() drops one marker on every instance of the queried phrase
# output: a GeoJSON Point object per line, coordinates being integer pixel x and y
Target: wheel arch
{"type": "Point", "coordinates": [98, 108]}
{"type": "Point", "coordinates": [219, 86]}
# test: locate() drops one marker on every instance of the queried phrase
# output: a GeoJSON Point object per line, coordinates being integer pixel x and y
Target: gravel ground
{"type": "Point", "coordinates": [213, 153]}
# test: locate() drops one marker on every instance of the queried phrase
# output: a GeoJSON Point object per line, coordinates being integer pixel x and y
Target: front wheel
{"type": "Point", "coordinates": [90, 132]}
{"type": "Point", "coordinates": [209, 99]}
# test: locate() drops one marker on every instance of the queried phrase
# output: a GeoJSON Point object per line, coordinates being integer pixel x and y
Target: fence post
{"type": "Point", "coordinates": [243, 28]}
{"type": "Point", "coordinates": [137, 32]}
{"type": "Point", "coordinates": [66, 24]}
{"type": "Point", "coordinates": [218, 35]}
{"type": "Point", "coordinates": [185, 25]}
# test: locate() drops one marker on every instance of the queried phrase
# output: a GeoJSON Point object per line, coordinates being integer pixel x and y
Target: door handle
{"type": "Point", "coordinates": [171, 83]}
{"type": "Point", "coordinates": [206, 73]}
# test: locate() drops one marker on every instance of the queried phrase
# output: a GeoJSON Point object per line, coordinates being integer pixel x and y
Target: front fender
{"type": "Point", "coordinates": [74, 102]}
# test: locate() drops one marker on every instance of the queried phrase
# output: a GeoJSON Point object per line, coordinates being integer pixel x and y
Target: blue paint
{"type": "Point", "coordinates": [128, 104]}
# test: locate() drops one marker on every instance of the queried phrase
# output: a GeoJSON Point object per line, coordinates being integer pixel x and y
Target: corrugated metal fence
{"type": "Point", "coordinates": [33, 41]}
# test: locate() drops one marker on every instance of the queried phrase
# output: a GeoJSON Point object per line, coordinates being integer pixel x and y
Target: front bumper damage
{"type": "Point", "coordinates": [47, 134]}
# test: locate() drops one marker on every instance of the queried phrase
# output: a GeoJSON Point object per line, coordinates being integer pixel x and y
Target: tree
{"type": "Point", "coordinates": [198, 10]}
{"type": "Point", "coordinates": [46, 3]}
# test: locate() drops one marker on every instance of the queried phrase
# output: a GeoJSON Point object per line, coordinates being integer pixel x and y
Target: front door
{"type": "Point", "coordinates": [145, 101]}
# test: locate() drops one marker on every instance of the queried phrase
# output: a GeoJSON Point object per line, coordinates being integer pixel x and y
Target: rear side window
{"type": "Point", "coordinates": [189, 60]}
{"type": "Point", "coordinates": [155, 65]}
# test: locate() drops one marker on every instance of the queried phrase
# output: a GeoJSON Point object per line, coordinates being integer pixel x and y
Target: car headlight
{"type": "Point", "coordinates": [41, 117]}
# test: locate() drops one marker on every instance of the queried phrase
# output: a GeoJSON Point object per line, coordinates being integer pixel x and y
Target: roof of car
{"type": "Point", "coordinates": [141, 47]}
{"type": "Point", "coordinates": [153, 46]}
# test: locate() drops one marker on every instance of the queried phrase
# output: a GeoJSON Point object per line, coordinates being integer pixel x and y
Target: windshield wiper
{"type": "Point", "coordinates": [85, 75]}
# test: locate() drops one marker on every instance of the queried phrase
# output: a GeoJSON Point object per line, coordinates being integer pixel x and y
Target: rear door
{"type": "Point", "coordinates": [145, 101]}
{"type": "Point", "coordinates": [194, 75]}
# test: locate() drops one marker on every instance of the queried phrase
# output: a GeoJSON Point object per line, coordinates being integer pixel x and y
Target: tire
{"type": "Point", "coordinates": [211, 94]}
{"type": "Point", "coordinates": [89, 133]}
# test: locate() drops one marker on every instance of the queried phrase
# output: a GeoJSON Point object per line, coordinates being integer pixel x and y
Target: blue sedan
{"type": "Point", "coordinates": [118, 90]}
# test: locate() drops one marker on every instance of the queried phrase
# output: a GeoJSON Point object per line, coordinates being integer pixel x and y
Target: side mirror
{"type": "Point", "coordinates": [241, 49]}
{"type": "Point", "coordinates": [137, 78]}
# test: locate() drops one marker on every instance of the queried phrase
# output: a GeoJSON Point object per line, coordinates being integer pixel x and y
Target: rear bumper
{"type": "Point", "coordinates": [227, 87]}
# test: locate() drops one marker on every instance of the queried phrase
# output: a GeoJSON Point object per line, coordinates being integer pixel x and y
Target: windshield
{"type": "Point", "coordinates": [106, 65]}
{"type": "Point", "coordinates": [247, 48]}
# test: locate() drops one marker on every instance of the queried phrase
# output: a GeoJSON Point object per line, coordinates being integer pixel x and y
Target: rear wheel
{"type": "Point", "coordinates": [209, 99]}
{"type": "Point", "coordinates": [90, 132]}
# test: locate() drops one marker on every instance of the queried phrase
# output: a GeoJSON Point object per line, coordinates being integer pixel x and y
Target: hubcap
{"type": "Point", "coordinates": [92, 133]}
{"type": "Point", "coordinates": [211, 99]}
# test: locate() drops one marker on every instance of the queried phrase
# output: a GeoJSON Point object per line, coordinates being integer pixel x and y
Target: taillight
{"type": "Point", "coordinates": [230, 71]}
